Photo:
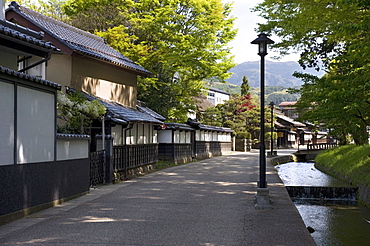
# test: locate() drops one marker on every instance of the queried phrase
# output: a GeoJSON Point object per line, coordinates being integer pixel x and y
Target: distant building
{"type": "Point", "coordinates": [216, 96]}
{"type": "Point", "coordinates": [289, 109]}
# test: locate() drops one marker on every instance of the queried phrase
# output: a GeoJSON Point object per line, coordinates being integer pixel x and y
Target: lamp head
{"type": "Point", "coordinates": [262, 42]}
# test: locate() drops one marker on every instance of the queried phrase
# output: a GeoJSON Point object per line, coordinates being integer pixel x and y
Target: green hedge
{"type": "Point", "coordinates": [351, 162]}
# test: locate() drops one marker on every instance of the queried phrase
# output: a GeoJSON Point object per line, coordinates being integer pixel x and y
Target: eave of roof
{"type": "Point", "coordinates": [74, 39]}
{"type": "Point", "coordinates": [37, 80]}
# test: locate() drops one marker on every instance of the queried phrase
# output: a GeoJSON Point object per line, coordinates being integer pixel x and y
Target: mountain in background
{"type": "Point", "coordinates": [276, 73]}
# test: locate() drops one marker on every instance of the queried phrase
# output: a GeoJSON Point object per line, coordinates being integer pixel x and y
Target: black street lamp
{"type": "Point", "coordinates": [263, 200]}
{"type": "Point", "coordinates": [272, 105]}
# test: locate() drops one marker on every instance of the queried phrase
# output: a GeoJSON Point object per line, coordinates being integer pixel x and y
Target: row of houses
{"type": "Point", "coordinates": [39, 167]}
{"type": "Point", "coordinates": [292, 133]}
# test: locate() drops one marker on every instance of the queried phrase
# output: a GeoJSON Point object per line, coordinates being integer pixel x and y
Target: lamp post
{"type": "Point", "coordinates": [272, 104]}
{"type": "Point", "coordinates": [263, 201]}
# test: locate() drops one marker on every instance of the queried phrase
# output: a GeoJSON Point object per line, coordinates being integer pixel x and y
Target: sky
{"type": "Point", "coordinates": [246, 22]}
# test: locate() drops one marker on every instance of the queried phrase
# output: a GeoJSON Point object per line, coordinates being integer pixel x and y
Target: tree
{"type": "Point", "coordinates": [212, 116]}
{"type": "Point", "coordinates": [241, 114]}
{"type": "Point", "coordinates": [51, 8]}
{"type": "Point", "coordinates": [245, 87]}
{"type": "Point", "coordinates": [183, 43]}
{"type": "Point", "coordinates": [330, 35]}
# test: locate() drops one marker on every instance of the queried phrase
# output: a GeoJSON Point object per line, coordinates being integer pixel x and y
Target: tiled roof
{"type": "Point", "coordinates": [196, 125]}
{"type": "Point", "coordinates": [289, 120]}
{"type": "Point", "coordinates": [151, 112]}
{"type": "Point", "coordinates": [124, 114]}
{"type": "Point", "coordinates": [10, 32]}
{"type": "Point", "coordinates": [37, 80]}
{"type": "Point", "coordinates": [78, 40]}
{"type": "Point", "coordinates": [178, 126]}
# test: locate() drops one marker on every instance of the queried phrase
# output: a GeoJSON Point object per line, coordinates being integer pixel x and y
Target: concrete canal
{"type": "Point", "coordinates": [327, 205]}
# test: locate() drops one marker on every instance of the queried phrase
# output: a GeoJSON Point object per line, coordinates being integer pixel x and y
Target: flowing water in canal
{"type": "Point", "coordinates": [338, 220]}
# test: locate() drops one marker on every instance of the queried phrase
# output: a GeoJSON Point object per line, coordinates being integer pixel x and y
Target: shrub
{"type": "Point", "coordinates": [243, 135]}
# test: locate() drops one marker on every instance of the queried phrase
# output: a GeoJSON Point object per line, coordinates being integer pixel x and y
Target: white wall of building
{"type": "Point", "coordinates": [6, 123]}
{"type": "Point", "coordinates": [35, 125]}
{"type": "Point", "coordinates": [72, 148]}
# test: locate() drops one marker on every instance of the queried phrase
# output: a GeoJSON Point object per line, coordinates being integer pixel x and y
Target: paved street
{"type": "Point", "coordinates": [209, 202]}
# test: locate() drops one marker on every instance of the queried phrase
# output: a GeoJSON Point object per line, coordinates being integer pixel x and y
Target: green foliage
{"type": "Point", "coordinates": [77, 112]}
{"type": "Point", "coordinates": [244, 135]}
{"type": "Point", "coordinates": [183, 44]}
{"type": "Point", "coordinates": [351, 162]}
{"type": "Point", "coordinates": [268, 135]}
{"type": "Point", "coordinates": [245, 87]}
{"type": "Point", "coordinates": [51, 8]}
{"type": "Point", "coordinates": [230, 88]}
{"type": "Point", "coordinates": [212, 117]}
{"type": "Point", "coordinates": [241, 114]}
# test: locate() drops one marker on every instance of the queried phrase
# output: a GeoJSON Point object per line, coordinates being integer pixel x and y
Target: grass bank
{"type": "Point", "coordinates": [350, 163]}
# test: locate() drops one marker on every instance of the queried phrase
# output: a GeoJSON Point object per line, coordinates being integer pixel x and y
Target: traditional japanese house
{"type": "Point", "coordinates": [37, 167]}
{"type": "Point", "coordinates": [89, 65]}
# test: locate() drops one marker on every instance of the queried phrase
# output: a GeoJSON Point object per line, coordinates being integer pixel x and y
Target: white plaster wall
{"type": "Point", "coordinates": [72, 148]}
{"type": "Point", "coordinates": [188, 137]}
{"type": "Point", "coordinates": [6, 123]}
{"type": "Point", "coordinates": [176, 136]}
{"type": "Point", "coordinates": [155, 136]}
{"type": "Point", "coordinates": [35, 125]}
{"type": "Point", "coordinates": [165, 136]}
